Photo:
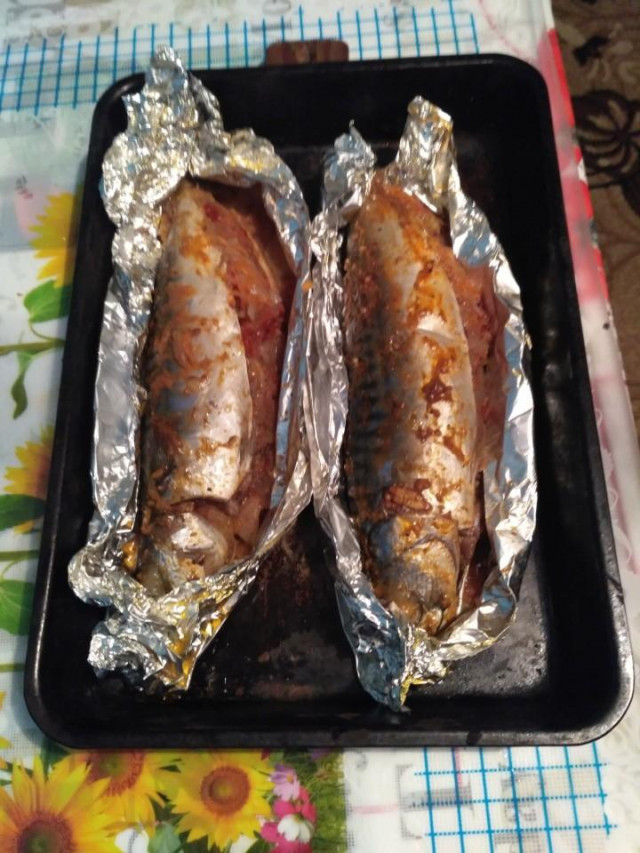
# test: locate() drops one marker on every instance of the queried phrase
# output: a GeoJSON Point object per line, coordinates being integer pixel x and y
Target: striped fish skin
{"type": "Point", "coordinates": [212, 373]}
{"type": "Point", "coordinates": [412, 436]}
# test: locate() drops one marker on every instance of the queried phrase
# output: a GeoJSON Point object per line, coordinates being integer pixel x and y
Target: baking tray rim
{"type": "Point", "coordinates": [324, 737]}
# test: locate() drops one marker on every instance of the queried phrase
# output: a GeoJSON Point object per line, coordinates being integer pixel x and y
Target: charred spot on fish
{"type": "Point", "coordinates": [426, 431]}
{"type": "Point", "coordinates": [398, 498]}
{"type": "Point", "coordinates": [453, 443]}
{"type": "Point", "coordinates": [437, 391]}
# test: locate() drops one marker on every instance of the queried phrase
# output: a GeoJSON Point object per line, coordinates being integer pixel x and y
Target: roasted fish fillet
{"type": "Point", "coordinates": [212, 369]}
{"type": "Point", "coordinates": [426, 404]}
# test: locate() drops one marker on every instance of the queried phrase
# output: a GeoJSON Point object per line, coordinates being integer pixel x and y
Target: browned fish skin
{"type": "Point", "coordinates": [204, 499]}
{"type": "Point", "coordinates": [420, 344]}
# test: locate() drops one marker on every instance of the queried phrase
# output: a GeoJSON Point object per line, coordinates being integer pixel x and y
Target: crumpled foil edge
{"type": "Point", "coordinates": [175, 129]}
{"type": "Point", "coordinates": [391, 654]}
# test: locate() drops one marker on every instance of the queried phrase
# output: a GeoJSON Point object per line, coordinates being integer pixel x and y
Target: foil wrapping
{"type": "Point", "coordinates": [390, 653]}
{"type": "Point", "coordinates": [175, 129]}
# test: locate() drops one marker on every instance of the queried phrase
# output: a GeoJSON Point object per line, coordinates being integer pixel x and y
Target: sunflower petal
{"type": "Point", "coordinates": [9, 811]}
{"type": "Point", "coordinates": [24, 790]}
{"type": "Point", "coordinates": [63, 785]}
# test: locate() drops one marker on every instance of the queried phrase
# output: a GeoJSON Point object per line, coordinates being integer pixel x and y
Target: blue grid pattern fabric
{"type": "Point", "coordinates": [541, 799]}
{"type": "Point", "coordinates": [41, 73]}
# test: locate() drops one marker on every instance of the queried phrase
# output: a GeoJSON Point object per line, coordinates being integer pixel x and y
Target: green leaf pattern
{"type": "Point", "coordinates": [47, 302]}
{"type": "Point", "coordinates": [17, 509]}
{"type": "Point", "coordinates": [15, 605]}
{"type": "Point", "coordinates": [165, 840]}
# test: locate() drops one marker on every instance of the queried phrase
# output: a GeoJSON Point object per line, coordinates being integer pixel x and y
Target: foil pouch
{"type": "Point", "coordinates": [391, 654]}
{"type": "Point", "coordinates": [175, 129]}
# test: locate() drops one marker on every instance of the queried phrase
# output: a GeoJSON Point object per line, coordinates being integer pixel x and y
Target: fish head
{"type": "Point", "coordinates": [185, 545]}
{"type": "Point", "coordinates": [417, 564]}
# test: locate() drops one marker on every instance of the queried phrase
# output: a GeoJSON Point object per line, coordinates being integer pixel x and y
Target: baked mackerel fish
{"type": "Point", "coordinates": [423, 348]}
{"type": "Point", "coordinates": [420, 410]}
{"type": "Point", "coordinates": [213, 362]}
{"type": "Point", "coordinates": [199, 461]}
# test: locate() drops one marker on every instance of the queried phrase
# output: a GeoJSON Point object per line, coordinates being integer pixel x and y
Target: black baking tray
{"type": "Point", "coordinates": [281, 671]}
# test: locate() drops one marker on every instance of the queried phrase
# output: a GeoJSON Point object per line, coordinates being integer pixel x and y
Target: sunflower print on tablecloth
{"type": "Point", "coordinates": [193, 802]}
{"type": "Point", "coordinates": [220, 796]}
{"type": "Point", "coordinates": [55, 238]}
{"type": "Point", "coordinates": [134, 780]}
{"type": "Point", "coordinates": [30, 477]}
{"type": "Point", "coordinates": [27, 481]}
{"type": "Point", "coordinates": [21, 508]}
{"type": "Point", "coordinates": [61, 813]}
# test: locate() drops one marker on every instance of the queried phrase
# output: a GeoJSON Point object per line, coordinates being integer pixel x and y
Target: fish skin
{"type": "Point", "coordinates": [411, 442]}
{"type": "Point", "coordinates": [212, 369]}
{"type": "Point", "coordinates": [197, 377]}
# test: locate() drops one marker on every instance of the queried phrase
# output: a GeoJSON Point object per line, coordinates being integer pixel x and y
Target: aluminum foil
{"type": "Point", "coordinates": [175, 128]}
{"type": "Point", "coordinates": [390, 653]}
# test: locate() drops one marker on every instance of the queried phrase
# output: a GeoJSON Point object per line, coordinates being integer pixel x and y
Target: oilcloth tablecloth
{"type": "Point", "coordinates": [56, 57]}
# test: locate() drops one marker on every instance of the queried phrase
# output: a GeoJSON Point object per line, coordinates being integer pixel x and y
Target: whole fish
{"type": "Point", "coordinates": [422, 353]}
{"type": "Point", "coordinates": [212, 372]}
